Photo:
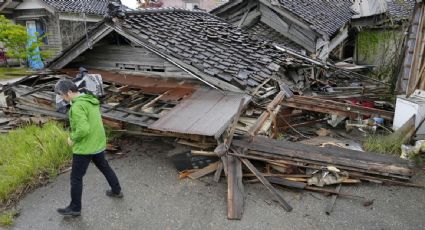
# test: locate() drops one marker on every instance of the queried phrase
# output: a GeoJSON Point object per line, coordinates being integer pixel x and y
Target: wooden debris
{"type": "Point", "coordinates": [218, 172]}
{"type": "Point", "coordinates": [203, 153]}
{"type": "Point", "coordinates": [301, 185]}
{"type": "Point", "coordinates": [271, 107]}
{"type": "Point", "coordinates": [185, 173]}
{"type": "Point", "coordinates": [204, 171]}
{"type": "Point", "coordinates": [333, 107]}
{"type": "Point", "coordinates": [345, 159]}
{"type": "Point", "coordinates": [331, 204]}
{"type": "Point", "coordinates": [223, 148]}
{"type": "Point", "coordinates": [266, 183]}
{"type": "Point", "coordinates": [235, 188]}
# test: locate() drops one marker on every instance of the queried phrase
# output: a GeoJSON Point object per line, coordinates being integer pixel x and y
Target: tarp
{"type": "Point", "coordinates": [35, 61]}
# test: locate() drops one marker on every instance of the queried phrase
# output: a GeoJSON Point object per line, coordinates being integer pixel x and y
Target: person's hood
{"type": "Point", "coordinates": [86, 98]}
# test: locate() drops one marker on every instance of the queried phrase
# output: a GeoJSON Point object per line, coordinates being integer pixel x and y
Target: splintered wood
{"type": "Point", "coordinates": [333, 107]}
{"type": "Point", "coordinates": [204, 171]}
{"type": "Point", "coordinates": [235, 189]}
{"type": "Point", "coordinates": [306, 156]}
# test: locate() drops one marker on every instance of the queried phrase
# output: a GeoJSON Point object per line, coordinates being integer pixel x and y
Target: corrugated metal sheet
{"type": "Point", "coordinates": [207, 112]}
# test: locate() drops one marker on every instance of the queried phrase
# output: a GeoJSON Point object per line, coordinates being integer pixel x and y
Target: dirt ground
{"type": "Point", "coordinates": [156, 199]}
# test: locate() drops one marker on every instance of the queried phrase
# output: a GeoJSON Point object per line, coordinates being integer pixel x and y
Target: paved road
{"type": "Point", "coordinates": [156, 199]}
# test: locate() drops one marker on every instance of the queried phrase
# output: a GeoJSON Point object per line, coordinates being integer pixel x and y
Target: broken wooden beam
{"type": "Point", "coordinates": [235, 189]}
{"type": "Point", "coordinates": [203, 153]}
{"type": "Point", "coordinates": [266, 183]}
{"type": "Point", "coordinates": [217, 174]}
{"type": "Point", "coordinates": [352, 160]}
{"type": "Point", "coordinates": [330, 206]}
{"type": "Point", "coordinates": [270, 110]}
{"type": "Point", "coordinates": [334, 107]}
{"type": "Point", "coordinates": [204, 171]}
{"type": "Point", "coordinates": [304, 186]}
{"type": "Point", "coordinates": [229, 138]}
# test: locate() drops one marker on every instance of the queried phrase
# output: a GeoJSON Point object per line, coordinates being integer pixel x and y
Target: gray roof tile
{"type": "Point", "coordinates": [99, 7]}
{"type": "Point", "coordinates": [234, 59]}
{"type": "Point", "coordinates": [324, 16]}
{"type": "Point", "coordinates": [400, 9]}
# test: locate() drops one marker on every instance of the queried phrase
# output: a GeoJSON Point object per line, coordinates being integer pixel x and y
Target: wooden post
{"type": "Point", "coordinates": [235, 189]}
{"type": "Point", "coordinates": [266, 183]}
{"type": "Point", "coordinates": [266, 114]}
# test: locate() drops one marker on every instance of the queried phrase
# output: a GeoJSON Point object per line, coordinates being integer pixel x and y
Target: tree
{"type": "Point", "coordinates": [19, 44]}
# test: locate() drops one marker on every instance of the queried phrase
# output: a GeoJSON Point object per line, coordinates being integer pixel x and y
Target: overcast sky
{"type": "Point", "coordinates": [130, 3]}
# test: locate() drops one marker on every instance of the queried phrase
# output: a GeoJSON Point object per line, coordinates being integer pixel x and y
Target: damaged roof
{"type": "Point", "coordinates": [201, 44]}
{"type": "Point", "coordinates": [264, 32]}
{"type": "Point", "coordinates": [98, 7]}
{"type": "Point", "coordinates": [325, 17]}
{"type": "Point", "coordinates": [400, 10]}
{"type": "Point", "coordinates": [207, 43]}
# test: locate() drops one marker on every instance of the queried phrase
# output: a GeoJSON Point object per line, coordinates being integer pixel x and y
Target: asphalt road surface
{"type": "Point", "coordinates": [156, 199]}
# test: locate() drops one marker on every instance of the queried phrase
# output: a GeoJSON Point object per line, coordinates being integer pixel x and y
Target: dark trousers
{"type": "Point", "coordinates": [80, 163]}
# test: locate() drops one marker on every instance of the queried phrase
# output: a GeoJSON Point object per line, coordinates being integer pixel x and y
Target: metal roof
{"type": "Point", "coordinates": [207, 112]}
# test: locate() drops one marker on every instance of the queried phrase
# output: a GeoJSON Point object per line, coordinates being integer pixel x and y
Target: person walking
{"type": "Point", "coordinates": [88, 141]}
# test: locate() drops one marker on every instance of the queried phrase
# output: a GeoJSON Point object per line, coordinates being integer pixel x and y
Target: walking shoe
{"type": "Point", "coordinates": [113, 194]}
{"type": "Point", "coordinates": [68, 212]}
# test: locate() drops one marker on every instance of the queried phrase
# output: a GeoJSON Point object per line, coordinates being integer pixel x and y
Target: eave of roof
{"type": "Point", "coordinates": [96, 7]}
{"type": "Point", "coordinates": [199, 43]}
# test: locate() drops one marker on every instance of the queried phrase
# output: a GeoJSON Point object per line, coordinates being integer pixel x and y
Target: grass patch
{"type": "Point", "coordinates": [29, 156]}
{"type": "Point", "coordinates": [385, 144]}
{"type": "Point", "coordinates": [10, 73]}
{"type": "Point", "coordinates": [7, 219]}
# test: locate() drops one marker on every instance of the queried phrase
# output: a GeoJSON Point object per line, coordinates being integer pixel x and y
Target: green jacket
{"type": "Point", "coordinates": [87, 131]}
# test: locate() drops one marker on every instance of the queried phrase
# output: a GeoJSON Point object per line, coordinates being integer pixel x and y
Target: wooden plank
{"type": "Point", "coordinates": [370, 167]}
{"type": "Point", "coordinates": [266, 114]}
{"type": "Point", "coordinates": [335, 156]}
{"type": "Point", "coordinates": [331, 204]}
{"type": "Point", "coordinates": [42, 111]}
{"type": "Point", "coordinates": [203, 153]}
{"type": "Point", "coordinates": [229, 138]}
{"type": "Point", "coordinates": [153, 101]}
{"type": "Point", "coordinates": [284, 162]}
{"type": "Point", "coordinates": [224, 160]}
{"type": "Point", "coordinates": [319, 165]}
{"type": "Point", "coordinates": [235, 189]}
{"type": "Point", "coordinates": [414, 77]}
{"type": "Point", "coordinates": [384, 180]}
{"type": "Point", "coordinates": [342, 106]}
{"type": "Point", "coordinates": [334, 107]}
{"type": "Point", "coordinates": [266, 183]}
{"type": "Point", "coordinates": [218, 172]}
{"type": "Point", "coordinates": [204, 171]}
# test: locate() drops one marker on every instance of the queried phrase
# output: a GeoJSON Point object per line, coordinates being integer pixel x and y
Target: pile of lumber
{"type": "Point", "coordinates": [361, 165]}
{"type": "Point", "coordinates": [277, 163]}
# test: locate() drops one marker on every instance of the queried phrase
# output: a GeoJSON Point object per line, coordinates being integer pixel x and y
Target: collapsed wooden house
{"type": "Point", "coordinates": [193, 76]}
{"type": "Point", "coordinates": [316, 27]}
